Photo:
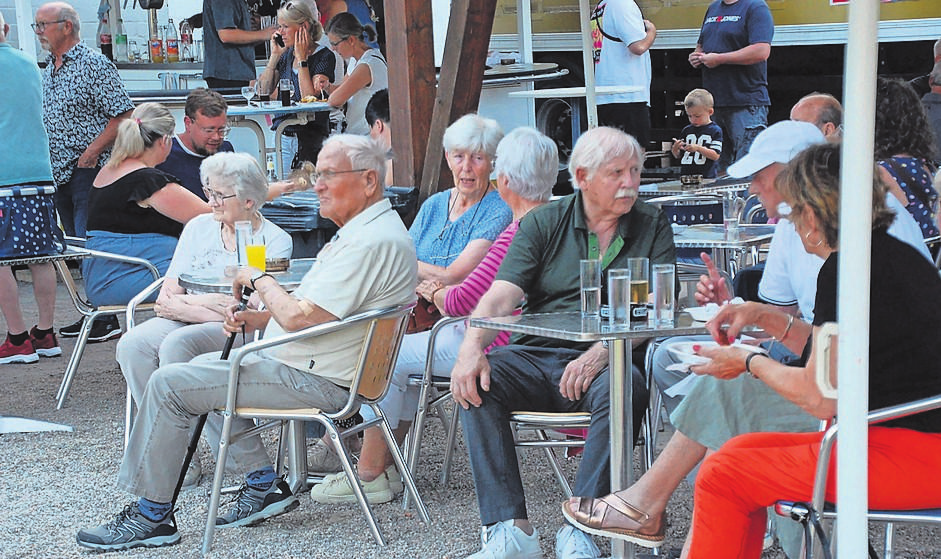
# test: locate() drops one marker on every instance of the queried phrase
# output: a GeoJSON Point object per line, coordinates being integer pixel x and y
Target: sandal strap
{"type": "Point", "coordinates": [592, 512]}
{"type": "Point", "coordinates": [627, 509]}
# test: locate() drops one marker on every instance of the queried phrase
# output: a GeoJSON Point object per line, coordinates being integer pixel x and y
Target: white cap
{"type": "Point", "coordinates": [778, 143]}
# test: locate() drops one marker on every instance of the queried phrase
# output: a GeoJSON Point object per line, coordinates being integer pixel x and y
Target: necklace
{"type": "Point", "coordinates": [451, 204]}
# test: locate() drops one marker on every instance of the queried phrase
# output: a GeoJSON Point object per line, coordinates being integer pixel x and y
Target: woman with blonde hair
{"type": "Point", "coordinates": [297, 55]}
{"type": "Point", "coordinates": [135, 209]}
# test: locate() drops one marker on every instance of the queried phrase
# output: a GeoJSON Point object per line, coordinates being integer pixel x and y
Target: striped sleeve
{"type": "Point", "coordinates": [462, 298]}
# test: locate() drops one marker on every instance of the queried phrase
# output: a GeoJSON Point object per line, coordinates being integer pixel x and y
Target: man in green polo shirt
{"type": "Point", "coordinates": [603, 219]}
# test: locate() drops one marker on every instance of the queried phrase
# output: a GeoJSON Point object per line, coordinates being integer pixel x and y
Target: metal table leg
{"type": "Point", "coordinates": [621, 428]}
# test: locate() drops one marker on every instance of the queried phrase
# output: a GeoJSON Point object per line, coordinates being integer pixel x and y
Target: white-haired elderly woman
{"type": "Point", "coordinates": [454, 228]}
{"type": "Point", "coordinates": [189, 324]}
{"type": "Point", "coordinates": [527, 165]}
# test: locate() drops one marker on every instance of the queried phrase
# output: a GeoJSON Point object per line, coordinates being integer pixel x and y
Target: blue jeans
{"type": "Point", "coordinates": [527, 378]}
{"type": "Point", "coordinates": [740, 125]}
{"type": "Point", "coordinates": [114, 283]}
{"type": "Point", "coordinates": [72, 200]}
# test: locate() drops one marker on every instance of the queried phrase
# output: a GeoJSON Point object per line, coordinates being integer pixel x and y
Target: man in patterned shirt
{"type": "Point", "coordinates": [84, 100]}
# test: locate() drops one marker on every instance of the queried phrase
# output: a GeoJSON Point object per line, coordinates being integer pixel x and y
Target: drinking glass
{"type": "Point", "coordinates": [619, 297]}
{"type": "Point", "coordinates": [640, 287]}
{"type": "Point", "coordinates": [243, 238]}
{"type": "Point", "coordinates": [255, 251]}
{"type": "Point", "coordinates": [664, 294]}
{"type": "Point", "coordinates": [286, 90]}
{"type": "Point", "coordinates": [590, 276]}
{"type": "Point", "coordinates": [731, 208]}
{"type": "Point", "coordinates": [248, 92]}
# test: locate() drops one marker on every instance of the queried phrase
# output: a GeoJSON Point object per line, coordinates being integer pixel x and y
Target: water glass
{"type": "Point", "coordinates": [731, 208]}
{"type": "Point", "coordinates": [590, 276]}
{"type": "Point", "coordinates": [664, 294]}
{"type": "Point", "coordinates": [640, 287]}
{"type": "Point", "coordinates": [619, 297]}
{"type": "Point", "coordinates": [243, 238]}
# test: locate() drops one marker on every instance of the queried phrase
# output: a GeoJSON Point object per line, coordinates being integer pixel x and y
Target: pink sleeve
{"type": "Point", "coordinates": [461, 299]}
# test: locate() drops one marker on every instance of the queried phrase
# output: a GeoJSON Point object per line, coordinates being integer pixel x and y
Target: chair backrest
{"type": "Point", "coordinates": [753, 211]}
{"type": "Point", "coordinates": [380, 350]}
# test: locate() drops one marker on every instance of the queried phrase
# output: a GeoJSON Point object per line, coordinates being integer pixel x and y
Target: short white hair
{"type": "Point", "coordinates": [239, 170]}
{"type": "Point", "coordinates": [599, 145]}
{"type": "Point", "coordinates": [530, 162]}
{"type": "Point", "coordinates": [473, 133]}
{"type": "Point", "coordinates": [363, 152]}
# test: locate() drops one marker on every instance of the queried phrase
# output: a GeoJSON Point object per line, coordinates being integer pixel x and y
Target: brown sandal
{"type": "Point", "coordinates": [591, 515]}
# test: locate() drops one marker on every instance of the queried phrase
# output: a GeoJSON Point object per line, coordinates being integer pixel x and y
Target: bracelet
{"type": "Point", "coordinates": [787, 330]}
{"type": "Point", "coordinates": [748, 363]}
{"type": "Point", "coordinates": [435, 292]}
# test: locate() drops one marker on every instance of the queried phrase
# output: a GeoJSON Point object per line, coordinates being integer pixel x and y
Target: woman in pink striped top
{"type": "Point", "coordinates": [527, 165]}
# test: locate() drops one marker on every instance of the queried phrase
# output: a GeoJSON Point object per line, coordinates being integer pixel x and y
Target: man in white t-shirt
{"type": "Point", "coordinates": [626, 38]}
{"type": "Point", "coordinates": [370, 264]}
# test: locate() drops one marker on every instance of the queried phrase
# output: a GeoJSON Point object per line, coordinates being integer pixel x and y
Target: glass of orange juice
{"type": "Point", "coordinates": [255, 252]}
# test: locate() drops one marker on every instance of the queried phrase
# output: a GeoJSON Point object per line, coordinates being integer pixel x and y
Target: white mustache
{"type": "Point", "coordinates": [626, 193]}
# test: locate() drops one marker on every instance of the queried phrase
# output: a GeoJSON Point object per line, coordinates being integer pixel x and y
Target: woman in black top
{"type": "Point", "coordinates": [135, 209]}
{"type": "Point", "coordinates": [296, 55]}
{"type": "Point", "coordinates": [751, 472]}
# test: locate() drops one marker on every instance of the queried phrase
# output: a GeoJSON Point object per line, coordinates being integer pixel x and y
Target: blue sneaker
{"type": "Point", "coordinates": [128, 530]}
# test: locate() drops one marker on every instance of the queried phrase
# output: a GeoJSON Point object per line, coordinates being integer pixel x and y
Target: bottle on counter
{"type": "Point", "coordinates": [186, 42]}
{"type": "Point", "coordinates": [173, 43]}
{"type": "Point", "coordinates": [120, 43]}
{"type": "Point", "coordinates": [156, 47]}
{"type": "Point", "coordinates": [104, 37]}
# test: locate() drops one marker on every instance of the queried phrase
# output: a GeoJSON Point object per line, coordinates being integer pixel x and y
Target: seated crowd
{"type": "Point", "coordinates": [493, 244]}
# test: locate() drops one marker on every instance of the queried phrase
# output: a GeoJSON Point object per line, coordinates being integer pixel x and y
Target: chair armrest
{"type": "Point", "coordinates": [433, 341]}
{"type": "Point", "coordinates": [133, 260]}
{"type": "Point", "coordinates": [137, 299]}
{"type": "Point", "coordinates": [874, 417]}
{"type": "Point", "coordinates": [239, 354]}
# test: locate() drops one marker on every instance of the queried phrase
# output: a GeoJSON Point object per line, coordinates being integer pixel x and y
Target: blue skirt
{"type": "Point", "coordinates": [114, 283]}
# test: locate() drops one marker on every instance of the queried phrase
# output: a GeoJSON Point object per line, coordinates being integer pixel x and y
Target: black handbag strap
{"type": "Point", "coordinates": [596, 16]}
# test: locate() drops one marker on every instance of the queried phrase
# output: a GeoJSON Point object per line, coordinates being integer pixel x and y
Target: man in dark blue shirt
{"type": "Point", "coordinates": [733, 49]}
{"type": "Point", "coordinates": [206, 130]}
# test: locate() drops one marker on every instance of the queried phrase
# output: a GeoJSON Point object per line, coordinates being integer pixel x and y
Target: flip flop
{"type": "Point", "coordinates": [591, 514]}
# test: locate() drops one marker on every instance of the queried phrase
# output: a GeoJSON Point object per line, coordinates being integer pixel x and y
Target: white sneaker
{"type": "Point", "coordinates": [504, 540]}
{"type": "Point", "coordinates": [571, 543]}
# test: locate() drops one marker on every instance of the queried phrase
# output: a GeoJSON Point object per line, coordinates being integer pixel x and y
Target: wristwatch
{"type": "Point", "coordinates": [255, 277]}
{"type": "Point", "coordinates": [303, 64]}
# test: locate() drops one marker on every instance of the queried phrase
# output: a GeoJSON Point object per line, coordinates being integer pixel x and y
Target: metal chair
{"type": "Point", "coordinates": [130, 320]}
{"type": "Point", "coordinates": [805, 515]}
{"type": "Point", "coordinates": [90, 312]}
{"type": "Point", "coordinates": [385, 328]}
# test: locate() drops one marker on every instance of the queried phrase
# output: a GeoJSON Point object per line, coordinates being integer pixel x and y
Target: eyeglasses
{"type": "Point", "coordinates": [337, 42]}
{"type": "Point", "coordinates": [222, 131]}
{"type": "Point", "coordinates": [216, 197]}
{"type": "Point", "coordinates": [40, 26]}
{"type": "Point", "coordinates": [316, 176]}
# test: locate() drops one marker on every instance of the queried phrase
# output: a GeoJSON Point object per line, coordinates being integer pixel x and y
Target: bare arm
{"type": "Point", "coordinates": [752, 54]}
{"type": "Point", "coordinates": [640, 47]}
{"type": "Point", "coordinates": [708, 153]}
{"type": "Point", "coordinates": [339, 94]}
{"type": "Point", "coordinates": [789, 330]}
{"type": "Point", "coordinates": [243, 37]}
{"type": "Point", "coordinates": [89, 157]}
{"type": "Point", "coordinates": [176, 202]}
{"type": "Point", "coordinates": [471, 364]}
{"type": "Point", "coordinates": [291, 313]}
{"type": "Point", "coordinates": [797, 384]}
{"type": "Point", "coordinates": [464, 264]}
{"type": "Point", "coordinates": [174, 304]}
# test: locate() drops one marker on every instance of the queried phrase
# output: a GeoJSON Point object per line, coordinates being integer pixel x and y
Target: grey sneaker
{"type": "Point", "coordinates": [254, 505]}
{"type": "Point", "coordinates": [322, 459]}
{"type": "Point", "coordinates": [128, 530]}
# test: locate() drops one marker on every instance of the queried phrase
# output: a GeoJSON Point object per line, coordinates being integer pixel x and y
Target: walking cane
{"type": "Point", "coordinates": [201, 421]}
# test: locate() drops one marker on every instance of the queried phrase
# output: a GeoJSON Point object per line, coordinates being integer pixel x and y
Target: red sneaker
{"type": "Point", "coordinates": [10, 353]}
{"type": "Point", "coordinates": [45, 346]}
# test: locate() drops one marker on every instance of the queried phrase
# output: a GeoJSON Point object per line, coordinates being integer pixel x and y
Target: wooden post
{"type": "Point", "coordinates": [465, 57]}
{"type": "Point", "coordinates": [410, 48]}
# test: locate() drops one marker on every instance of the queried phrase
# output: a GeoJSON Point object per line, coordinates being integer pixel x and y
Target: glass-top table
{"type": "Point", "coordinates": [215, 283]}
{"type": "Point", "coordinates": [725, 249]}
{"type": "Point", "coordinates": [571, 326]}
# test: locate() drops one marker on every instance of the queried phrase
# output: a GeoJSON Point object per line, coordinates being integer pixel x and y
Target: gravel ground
{"type": "Point", "coordinates": [57, 483]}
